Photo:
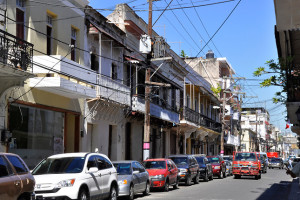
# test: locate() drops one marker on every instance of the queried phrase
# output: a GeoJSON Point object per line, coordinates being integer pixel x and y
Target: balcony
{"type": "Point", "coordinates": [138, 104]}
{"type": "Point", "coordinates": [15, 55]}
{"type": "Point", "coordinates": [59, 75]}
{"type": "Point", "coordinates": [200, 120]}
{"type": "Point", "coordinates": [113, 90]}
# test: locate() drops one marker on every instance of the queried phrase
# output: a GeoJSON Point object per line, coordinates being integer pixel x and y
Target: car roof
{"type": "Point", "coordinates": [180, 155]}
{"type": "Point", "coordinates": [79, 154]}
{"type": "Point", "coordinates": [124, 161]}
{"type": "Point", "coordinates": [157, 159]}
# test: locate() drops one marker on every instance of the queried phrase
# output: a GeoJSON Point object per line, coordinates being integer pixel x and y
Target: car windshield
{"type": "Point", "coordinates": [180, 160]}
{"type": "Point", "coordinates": [200, 160]}
{"type": "Point", "coordinates": [213, 159]}
{"type": "Point", "coordinates": [123, 168]}
{"type": "Point", "coordinates": [245, 157]}
{"type": "Point", "coordinates": [60, 166]}
{"type": "Point", "coordinates": [155, 164]}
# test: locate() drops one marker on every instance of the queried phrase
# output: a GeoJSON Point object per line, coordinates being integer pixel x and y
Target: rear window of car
{"type": "Point", "coordinates": [17, 163]}
{"type": "Point", "coordinates": [155, 164]}
{"type": "Point", "coordinates": [275, 159]}
{"type": "Point", "coordinates": [245, 157]}
{"type": "Point", "coordinates": [200, 160]}
{"type": "Point", "coordinates": [213, 159]}
{"type": "Point", "coordinates": [123, 168]}
{"type": "Point", "coordinates": [60, 166]}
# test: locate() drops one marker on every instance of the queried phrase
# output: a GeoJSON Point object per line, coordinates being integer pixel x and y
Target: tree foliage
{"type": "Point", "coordinates": [279, 73]}
{"type": "Point", "coordinates": [216, 90]}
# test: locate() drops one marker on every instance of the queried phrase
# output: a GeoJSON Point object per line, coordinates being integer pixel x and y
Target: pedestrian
{"type": "Point", "coordinates": [290, 164]}
{"type": "Point", "coordinates": [295, 171]}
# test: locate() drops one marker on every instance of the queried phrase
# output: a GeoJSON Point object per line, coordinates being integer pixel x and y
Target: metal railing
{"type": "Point", "coordinates": [200, 119]}
{"type": "Point", "coordinates": [15, 52]}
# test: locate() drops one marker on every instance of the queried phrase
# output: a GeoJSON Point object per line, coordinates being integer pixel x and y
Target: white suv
{"type": "Point", "coordinates": [76, 176]}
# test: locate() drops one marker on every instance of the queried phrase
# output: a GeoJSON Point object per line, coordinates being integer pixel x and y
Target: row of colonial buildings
{"type": "Point", "coordinates": [73, 80]}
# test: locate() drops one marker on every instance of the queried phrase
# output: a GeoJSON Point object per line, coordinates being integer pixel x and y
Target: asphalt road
{"type": "Point", "coordinates": [273, 185]}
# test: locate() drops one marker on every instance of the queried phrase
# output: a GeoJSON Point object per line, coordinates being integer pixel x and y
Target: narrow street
{"type": "Point", "coordinates": [273, 185]}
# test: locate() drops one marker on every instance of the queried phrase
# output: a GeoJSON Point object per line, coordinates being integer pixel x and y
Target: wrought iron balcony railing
{"type": "Point", "coordinates": [15, 51]}
{"type": "Point", "coordinates": [200, 119]}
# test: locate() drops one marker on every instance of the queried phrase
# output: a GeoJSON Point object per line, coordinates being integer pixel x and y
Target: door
{"type": "Point", "coordinates": [172, 170]}
{"type": "Point", "coordinates": [95, 179]}
{"type": "Point", "coordinates": [143, 176]}
{"type": "Point", "coordinates": [10, 184]}
{"type": "Point", "coordinates": [137, 176]}
{"type": "Point", "coordinates": [105, 171]}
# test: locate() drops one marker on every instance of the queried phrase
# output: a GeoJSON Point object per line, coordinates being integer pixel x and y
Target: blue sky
{"type": "Point", "coordinates": [246, 39]}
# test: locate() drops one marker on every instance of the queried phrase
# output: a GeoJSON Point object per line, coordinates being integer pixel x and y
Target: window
{"type": "Point", "coordinates": [114, 71]}
{"type": "Point", "coordinates": [18, 164]}
{"type": "Point", "coordinates": [3, 167]}
{"type": "Point", "coordinates": [73, 43]}
{"type": "Point", "coordinates": [91, 162]}
{"type": "Point", "coordinates": [49, 35]}
{"type": "Point", "coordinates": [94, 63]}
{"type": "Point", "coordinates": [20, 3]}
{"type": "Point", "coordinates": [103, 163]}
{"type": "Point", "coordinates": [141, 168]}
{"type": "Point", "coordinates": [20, 20]}
{"type": "Point", "coordinates": [135, 167]}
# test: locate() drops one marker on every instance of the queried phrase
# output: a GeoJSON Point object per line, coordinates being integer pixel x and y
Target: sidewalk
{"type": "Point", "coordinates": [295, 190]}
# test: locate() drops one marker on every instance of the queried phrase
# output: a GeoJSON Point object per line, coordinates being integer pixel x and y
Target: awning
{"type": "Point", "coordinates": [109, 35]}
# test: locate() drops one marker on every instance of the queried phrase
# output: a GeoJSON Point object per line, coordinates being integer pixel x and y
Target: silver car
{"type": "Point", "coordinates": [132, 178]}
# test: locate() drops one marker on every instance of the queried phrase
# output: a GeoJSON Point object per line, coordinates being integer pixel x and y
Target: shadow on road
{"type": "Point", "coordinates": [278, 191]}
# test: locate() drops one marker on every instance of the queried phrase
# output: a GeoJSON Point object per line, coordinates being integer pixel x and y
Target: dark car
{"type": "Point", "coordinates": [163, 173]}
{"type": "Point", "coordinates": [295, 161]}
{"type": "Point", "coordinates": [263, 162]}
{"type": "Point", "coordinates": [188, 168]}
{"type": "Point", "coordinates": [276, 163]}
{"type": "Point", "coordinates": [205, 168]}
{"type": "Point", "coordinates": [218, 166]}
{"type": "Point", "coordinates": [16, 181]}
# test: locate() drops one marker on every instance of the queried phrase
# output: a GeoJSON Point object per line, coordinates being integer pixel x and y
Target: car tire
{"type": "Point", "coordinates": [206, 177]}
{"type": "Point", "coordinates": [83, 194]}
{"type": "Point", "coordinates": [224, 174]}
{"type": "Point", "coordinates": [188, 181]}
{"type": "Point", "coordinates": [196, 179]}
{"type": "Point", "coordinates": [236, 176]}
{"type": "Point", "coordinates": [113, 193]}
{"type": "Point", "coordinates": [176, 184]}
{"type": "Point", "coordinates": [211, 177]}
{"type": "Point", "coordinates": [131, 193]}
{"type": "Point", "coordinates": [147, 189]}
{"type": "Point", "coordinates": [220, 175]}
{"type": "Point", "coordinates": [166, 186]}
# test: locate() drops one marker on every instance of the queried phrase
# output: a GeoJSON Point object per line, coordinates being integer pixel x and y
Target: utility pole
{"type": "Point", "coordinates": [146, 144]}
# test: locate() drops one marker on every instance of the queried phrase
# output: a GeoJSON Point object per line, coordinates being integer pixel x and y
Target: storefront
{"type": "Point", "coordinates": [40, 131]}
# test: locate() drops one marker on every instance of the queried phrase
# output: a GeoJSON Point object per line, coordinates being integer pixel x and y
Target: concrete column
{"type": "Point", "coordinates": [167, 144]}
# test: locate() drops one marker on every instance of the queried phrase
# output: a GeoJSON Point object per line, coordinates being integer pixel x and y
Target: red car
{"type": "Point", "coordinates": [163, 173]}
{"type": "Point", "coordinates": [246, 164]}
{"type": "Point", "coordinates": [218, 165]}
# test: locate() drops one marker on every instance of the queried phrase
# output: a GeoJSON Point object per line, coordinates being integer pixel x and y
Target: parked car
{"type": "Point", "coordinates": [16, 181]}
{"type": "Point", "coordinates": [246, 164]}
{"type": "Point", "coordinates": [263, 159]}
{"type": "Point", "coordinates": [276, 163]}
{"type": "Point", "coordinates": [228, 158]}
{"type": "Point", "coordinates": [188, 168]}
{"type": "Point", "coordinates": [163, 173]}
{"type": "Point", "coordinates": [76, 176]}
{"type": "Point", "coordinates": [132, 178]}
{"type": "Point", "coordinates": [228, 168]}
{"type": "Point", "coordinates": [218, 165]}
{"type": "Point", "coordinates": [205, 168]}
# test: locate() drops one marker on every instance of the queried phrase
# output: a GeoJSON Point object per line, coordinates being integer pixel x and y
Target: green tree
{"type": "Point", "coordinates": [216, 90]}
{"type": "Point", "coordinates": [280, 74]}
{"type": "Point", "coordinates": [182, 54]}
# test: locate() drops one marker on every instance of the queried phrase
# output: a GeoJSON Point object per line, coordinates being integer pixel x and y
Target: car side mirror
{"type": "Point", "coordinates": [136, 172]}
{"type": "Point", "coordinates": [93, 170]}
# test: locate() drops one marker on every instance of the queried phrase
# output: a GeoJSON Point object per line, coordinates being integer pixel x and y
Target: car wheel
{"type": "Point", "coordinates": [166, 188]}
{"type": "Point", "coordinates": [236, 176]}
{"type": "Point", "coordinates": [211, 177]}
{"type": "Point", "coordinates": [259, 176]}
{"type": "Point", "coordinates": [188, 181]}
{"type": "Point", "coordinates": [83, 194]}
{"type": "Point", "coordinates": [196, 179]}
{"type": "Point", "coordinates": [131, 193]}
{"type": "Point", "coordinates": [176, 184]}
{"type": "Point", "coordinates": [224, 174]}
{"type": "Point", "coordinates": [220, 175]}
{"type": "Point", "coordinates": [113, 193]}
{"type": "Point", "coordinates": [206, 177]}
{"type": "Point", "coordinates": [147, 189]}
